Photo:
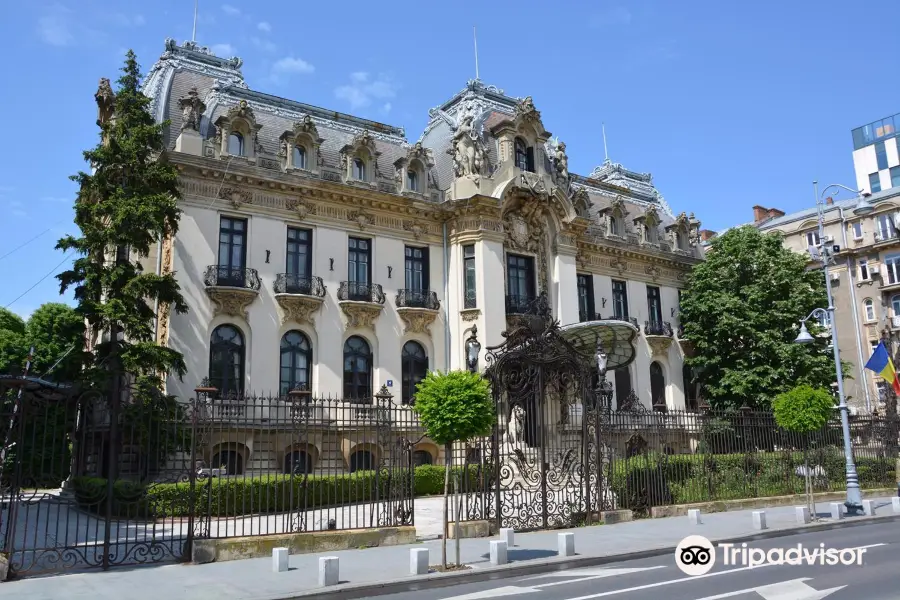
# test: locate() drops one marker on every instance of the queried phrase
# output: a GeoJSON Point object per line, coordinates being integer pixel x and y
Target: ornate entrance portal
{"type": "Point", "coordinates": [548, 465]}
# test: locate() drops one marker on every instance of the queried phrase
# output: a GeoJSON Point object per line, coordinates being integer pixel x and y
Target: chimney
{"type": "Point", "coordinates": [706, 235]}
{"type": "Point", "coordinates": [774, 213]}
{"type": "Point", "coordinates": [760, 214]}
{"type": "Point", "coordinates": [829, 200]}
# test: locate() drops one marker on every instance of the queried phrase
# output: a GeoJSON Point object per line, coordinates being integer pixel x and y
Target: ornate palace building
{"type": "Point", "coordinates": [325, 251]}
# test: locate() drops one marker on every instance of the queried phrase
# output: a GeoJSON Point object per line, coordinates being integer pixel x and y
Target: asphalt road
{"type": "Point", "coordinates": [877, 578]}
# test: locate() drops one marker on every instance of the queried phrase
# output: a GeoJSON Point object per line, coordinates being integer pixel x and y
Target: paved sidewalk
{"type": "Point", "coordinates": [254, 580]}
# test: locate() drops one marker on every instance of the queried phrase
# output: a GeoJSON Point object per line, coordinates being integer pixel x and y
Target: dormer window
{"type": "Point", "coordinates": [524, 156]}
{"type": "Point", "coordinates": [412, 181]}
{"type": "Point", "coordinates": [299, 157]}
{"type": "Point", "coordinates": [236, 144]}
{"type": "Point", "coordinates": [359, 169]}
{"type": "Point", "coordinates": [613, 225]}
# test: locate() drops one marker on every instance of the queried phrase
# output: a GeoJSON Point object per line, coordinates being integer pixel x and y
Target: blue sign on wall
{"type": "Point", "coordinates": [390, 383]}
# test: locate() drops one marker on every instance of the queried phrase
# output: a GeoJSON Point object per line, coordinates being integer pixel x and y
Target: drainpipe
{"type": "Point", "coordinates": [851, 271]}
{"type": "Point", "coordinates": [446, 300]}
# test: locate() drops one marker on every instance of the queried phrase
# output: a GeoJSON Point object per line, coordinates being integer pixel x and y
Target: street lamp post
{"type": "Point", "coordinates": [473, 349]}
{"type": "Point", "coordinates": [854, 497]}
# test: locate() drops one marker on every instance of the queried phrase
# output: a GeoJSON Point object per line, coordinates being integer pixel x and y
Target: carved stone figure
{"type": "Point", "coordinates": [192, 108]}
{"type": "Point", "coordinates": [516, 431]}
{"type": "Point", "coordinates": [561, 162]}
{"type": "Point", "coordinates": [105, 102]}
{"type": "Point", "coordinates": [465, 148]}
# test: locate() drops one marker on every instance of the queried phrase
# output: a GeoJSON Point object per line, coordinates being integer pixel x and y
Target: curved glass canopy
{"type": "Point", "coordinates": [617, 338]}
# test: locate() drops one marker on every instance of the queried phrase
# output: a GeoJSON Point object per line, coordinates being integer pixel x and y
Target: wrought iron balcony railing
{"type": "Point", "coordinates": [225, 276]}
{"type": "Point", "coordinates": [519, 305]}
{"type": "Point", "coordinates": [632, 320]}
{"type": "Point", "coordinates": [585, 316]}
{"type": "Point", "coordinates": [661, 328]}
{"type": "Point", "coordinates": [360, 292]}
{"type": "Point", "coordinates": [417, 299]}
{"type": "Point", "coordinates": [286, 283]}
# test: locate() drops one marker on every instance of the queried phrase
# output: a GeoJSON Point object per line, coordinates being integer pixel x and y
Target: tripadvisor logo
{"type": "Point", "coordinates": [695, 555]}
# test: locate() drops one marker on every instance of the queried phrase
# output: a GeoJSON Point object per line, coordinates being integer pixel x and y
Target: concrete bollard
{"type": "Point", "coordinates": [418, 561]}
{"type": "Point", "coordinates": [566, 544]}
{"type": "Point", "coordinates": [694, 516]}
{"type": "Point", "coordinates": [508, 536]}
{"type": "Point", "coordinates": [869, 508]}
{"type": "Point", "coordinates": [329, 571]}
{"type": "Point", "coordinates": [280, 560]}
{"type": "Point", "coordinates": [895, 504]}
{"type": "Point", "coordinates": [802, 513]}
{"type": "Point", "coordinates": [498, 552]}
{"type": "Point", "coordinates": [837, 511]}
{"type": "Point", "coordinates": [759, 519]}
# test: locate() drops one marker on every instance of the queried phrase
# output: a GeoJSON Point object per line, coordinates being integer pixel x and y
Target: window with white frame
{"type": "Point", "coordinates": [857, 230]}
{"type": "Point", "coordinates": [869, 307]}
{"type": "Point", "coordinates": [864, 270]}
{"type": "Point", "coordinates": [895, 305]}
{"type": "Point", "coordinates": [812, 238]}
{"type": "Point", "coordinates": [892, 266]}
{"type": "Point", "coordinates": [885, 227]}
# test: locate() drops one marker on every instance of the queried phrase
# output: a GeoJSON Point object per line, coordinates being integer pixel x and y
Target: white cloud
{"type": "Point", "coordinates": [362, 89]}
{"type": "Point", "coordinates": [386, 108]}
{"type": "Point", "coordinates": [264, 26]}
{"type": "Point", "coordinates": [230, 10]}
{"type": "Point", "coordinates": [224, 50]}
{"type": "Point", "coordinates": [262, 44]}
{"type": "Point", "coordinates": [55, 26]}
{"type": "Point", "coordinates": [614, 15]}
{"type": "Point", "coordinates": [289, 64]}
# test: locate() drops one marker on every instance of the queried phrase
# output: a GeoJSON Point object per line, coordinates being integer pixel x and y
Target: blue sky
{"type": "Point", "coordinates": [727, 104]}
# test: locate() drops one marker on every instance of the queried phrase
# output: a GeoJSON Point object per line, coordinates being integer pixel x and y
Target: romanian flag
{"type": "Point", "coordinates": [880, 362]}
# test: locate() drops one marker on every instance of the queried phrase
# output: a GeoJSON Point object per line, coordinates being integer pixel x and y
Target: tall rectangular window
{"type": "Point", "coordinates": [885, 227]}
{"type": "Point", "coordinates": [469, 275]}
{"type": "Point", "coordinates": [892, 265]}
{"type": "Point", "coordinates": [857, 230]}
{"type": "Point", "coordinates": [620, 299]}
{"type": "Point", "coordinates": [654, 306]}
{"type": "Point", "coordinates": [232, 251]}
{"type": "Point", "coordinates": [359, 268]}
{"type": "Point", "coordinates": [863, 270]}
{"type": "Point", "coordinates": [895, 177]}
{"type": "Point", "coordinates": [585, 298]}
{"type": "Point", "coordinates": [812, 238]}
{"type": "Point", "coordinates": [416, 269]}
{"type": "Point", "coordinates": [874, 183]}
{"type": "Point", "coordinates": [519, 282]}
{"type": "Point", "coordinates": [299, 253]}
{"type": "Point", "coordinates": [881, 155]}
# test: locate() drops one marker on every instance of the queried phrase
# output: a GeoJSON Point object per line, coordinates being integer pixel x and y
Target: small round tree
{"type": "Point", "coordinates": [804, 410]}
{"type": "Point", "coordinates": [453, 407]}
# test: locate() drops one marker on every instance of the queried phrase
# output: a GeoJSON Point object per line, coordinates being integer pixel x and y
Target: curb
{"type": "Point", "coordinates": [439, 580]}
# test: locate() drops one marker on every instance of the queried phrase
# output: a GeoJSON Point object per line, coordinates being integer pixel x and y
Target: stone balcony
{"type": "Point", "coordinates": [361, 303]}
{"type": "Point", "coordinates": [418, 309]}
{"type": "Point", "coordinates": [299, 297]}
{"type": "Point", "coordinates": [231, 289]}
{"type": "Point", "coordinates": [659, 335]}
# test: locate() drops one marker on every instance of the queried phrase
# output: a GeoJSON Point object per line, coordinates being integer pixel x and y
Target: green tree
{"type": "Point", "coordinates": [125, 206]}
{"type": "Point", "coordinates": [56, 331]}
{"type": "Point", "coordinates": [453, 407]}
{"type": "Point", "coordinates": [13, 348]}
{"type": "Point", "coordinates": [804, 410]}
{"type": "Point", "coordinates": [741, 310]}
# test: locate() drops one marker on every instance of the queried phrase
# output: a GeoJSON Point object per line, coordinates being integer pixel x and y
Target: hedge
{"type": "Point", "coordinates": [657, 479]}
{"type": "Point", "coordinates": [238, 496]}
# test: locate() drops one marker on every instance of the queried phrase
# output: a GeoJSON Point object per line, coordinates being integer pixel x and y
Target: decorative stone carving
{"type": "Point", "coordinates": [236, 196]}
{"type": "Point", "coordinates": [581, 200]}
{"type": "Point", "coordinates": [648, 224]}
{"type": "Point", "coordinates": [561, 164]}
{"type": "Point", "coordinates": [361, 314]}
{"type": "Point", "coordinates": [301, 208]}
{"type": "Point", "coordinates": [106, 100]}
{"type": "Point", "coordinates": [534, 183]}
{"type": "Point", "coordinates": [361, 146]}
{"type": "Point", "coordinates": [232, 302]}
{"type": "Point", "coordinates": [619, 265]}
{"type": "Point", "coordinates": [361, 218]}
{"type": "Point", "coordinates": [470, 314]}
{"type": "Point", "coordinates": [192, 108]}
{"type": "Point", "coordinates": [418, 320]}
{"type": "Point", "coordinates": [653, 271]}
{"type": "Point", "coordinates": [525, 111]}
{"type": "Point", "coordinates": [659, 345]}
{"type": "Point", "coordinates": [306, 134]}
{"type": "Point", "coordinates": [415, 228]}
{"type": "Point", "coordinates": [297, 308]}
{"type": "Point", "coordinates": [242, 110]}
{"type": "Point", "coordinates": [165, 309]}
{"type": "Point", "coordinates": [467, 150]}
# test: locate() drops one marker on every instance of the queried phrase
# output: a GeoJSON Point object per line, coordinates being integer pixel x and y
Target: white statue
{"type": "Point", "coordinates": [516, 431]}
{"type": "Point", "coordinates": [464, 144]}
{"type": "Point", "coordinates": [561, 162]}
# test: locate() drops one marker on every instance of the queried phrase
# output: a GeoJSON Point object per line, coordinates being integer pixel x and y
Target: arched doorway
{"type": "Point", "coordinates": [298, 462]}
{"type": "Point", "coordinates": [657, 387]}
{"type": "Point", "coordinates": [362, 460]}
{"type": "Point", "coordinates": [231, 459]}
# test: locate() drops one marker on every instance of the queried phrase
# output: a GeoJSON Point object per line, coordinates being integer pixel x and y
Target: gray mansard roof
{"type": "Point", "coordinates": [220, 84]}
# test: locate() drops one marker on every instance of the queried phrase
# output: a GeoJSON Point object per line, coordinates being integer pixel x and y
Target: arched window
{"type": "Point", "coordinates": [362, 460]}
{"type": "Point", "coordinates": [231, 460]}
{"type": "Point", "coordinates": [412, 181]}
{"type": "Point", "coordinates": [657, 387]}
{"type": "Point", "coordinates": [357, 370]}
{"type": "Point", "coordinates": [296, 362]}
{"type": "Point", "coordinates": [623, 386]}
{"type": "Point", "coordinates": [359, 169]}
{"type": "Point", "coordinates": [299, 157]}
{"type": "Point", "coordinates": [613, 225]}
{"type": "Point", "coordinates": [421, 457]}
{"type": "Point", "coordinates": [524, 156]}
{"type": "Point", "coordinates": [236, 144]}
{"type": "Point", "coordinates": [870, 309]}
{"type": "Point", "coordinates": [298, 462]}
{"type": "Point", "coordinates": [414, 363]}
{"type": "Point", "coordinates": [226, 360]}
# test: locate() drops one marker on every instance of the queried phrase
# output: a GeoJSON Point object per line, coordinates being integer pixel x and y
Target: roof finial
{"type": "Point", "coordinates": [605, 149]}
{"type": "Point", "coordinates": [475, 37]}
{"type": "Point", "coordinates": [194, 32]}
